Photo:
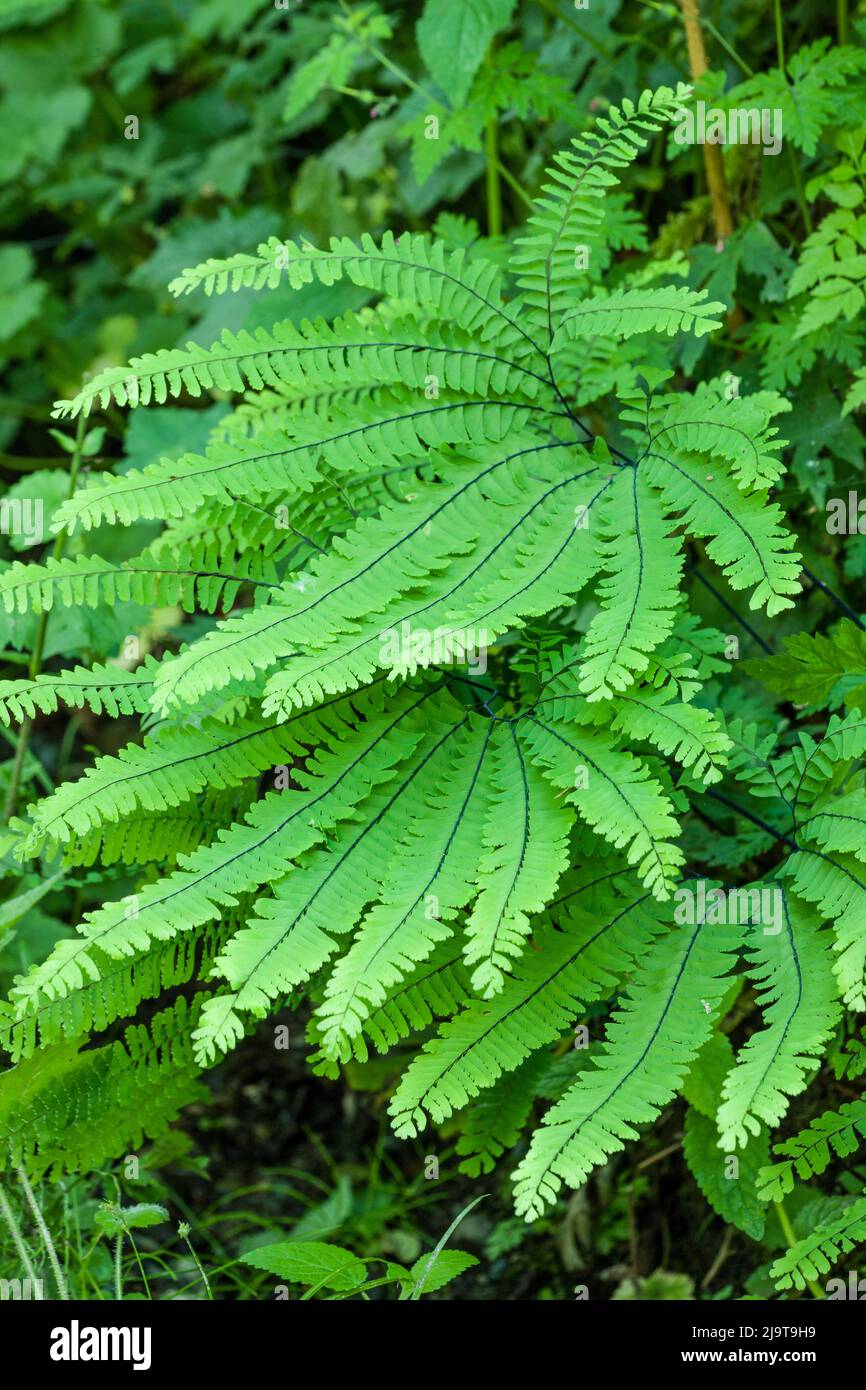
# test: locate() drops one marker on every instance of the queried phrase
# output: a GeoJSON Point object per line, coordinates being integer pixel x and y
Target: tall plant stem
{"type": "Point", "coordinates": [17, 1238]}
{"type": "Point", "coordinates": [729, 48]}
{"type": "Point", "coordinates": [198, 1264]}
{"type": "Point", "coordinates": [780, 41]}
{"type": "Point", "coordinates": [723, 219]}
{"type": "Point", "coordinates": [792, 158]}
{"type": "Point", "coordinates": [494, 188]}
{"type": "Point", "coordinates": [514, 183]}
{"type": "Point", "coordinates": [62, 1291]}
{"type": "Point", "coordinates": [387, 62]}
{"type": "Point", "coordinates": [801, 195]}
{"type": "Point", "coordinates": [138, 1262]}
{"type": "Point", "coordinates": [39, 646]}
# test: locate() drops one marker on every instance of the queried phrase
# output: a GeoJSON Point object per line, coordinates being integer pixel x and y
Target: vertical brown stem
{"type": "Point", "coordinates": [713, 164]}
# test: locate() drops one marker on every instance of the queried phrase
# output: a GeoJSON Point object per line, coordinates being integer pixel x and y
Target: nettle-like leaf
{"type": "Point", "coordinates": [443, 708]}
{"type": "Point", "coordinates": [805, 94]}
{"type": "Point", "coordinates": [817, 669]}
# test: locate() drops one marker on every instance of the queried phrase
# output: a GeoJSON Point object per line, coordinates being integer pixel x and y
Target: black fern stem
{"type": "Point", "coordinates": [836, 598]}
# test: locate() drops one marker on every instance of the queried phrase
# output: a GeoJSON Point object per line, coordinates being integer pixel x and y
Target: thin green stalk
{"type": "Point", "coordinates": [183, 1232]}
{"type": "Point", "coordinates": [359, 94]}
{"type": "Point", "coordinates": [387, 62]}
{"type": "Point", "coordinates": [62, 1291]}
{"type": "Point", "coordinates": [780, 42]}
{"type": "Point", "coordinates": [491, 155]}
{"type": "Point", "coordinates": [140, 1265]}
{"type": "Point", "coordinates": [842, 20]}
{"type": "Point", "coordinates": [17, 1238]}
{"type": "Point", "coordinates": [440, 1245]}
{"type": "Point", "coordinates": [39, 646]}
{"type": "Point", "coordinates": [118, 1267]}
{"type": "Point", "coordinates": [788, 1233]}
{"type": "Point", "coordinates": [397, 71]}
{"type": "Point", "coordinates": [729, 49]}
{"type": "Point", "coordinates": [495, 167]}
{"type": "Point", "coordinates": [39, 773]}
{"type": "Point", "coordinates": [792, 158]}
{"type": "Point", "coordinates": [494, 187]}
{"type": "Point", "coordinates": [514, 183]}
{"type": "Point", "coordinates": [801, 194]}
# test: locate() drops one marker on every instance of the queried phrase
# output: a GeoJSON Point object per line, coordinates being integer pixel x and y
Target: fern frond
{"type": "Point", "coordinates": [121, 986]}
{"type": "Point", "coordinates": [430, 878]}
{"type": "Point", "coordinates": [790, 962]}
{"type": "Point", "coordinates": [352, 615]}
{"type": "Point", "coordinates": [104, 689]}
{"type": "Point", "coordinates": [689, 733]}
{"type": "Point", "coordinates": [567, 217]}
{"type": "Point", "coordinates": [836, 824]}
{"type": "Point", "coordinates": [747, 539]}
{"type": "Point", "coordinates": [640, 591]}
{"type": "Point", "coordinates": [392, 428]}
{"type": "Point", "coordinates": [292, 935]}
{"type": "Point", "coordinates": [737, 431]}
{"type": "Point", "coordinates": [817, 1252]}
{"type": "Point", "coordinates": [89, 582]}
{"type": "Point", "coordinates": [259, 850]}
{"type": "Point", "coordinates": [349, 353]}
{"type": "Point", "coordinates": [524, 851]}
{"type": "Point", "coordinates": [813, 767]}
{"type": "Point", "coordinates": [454, 625]}
{"type": "Point", "coordinates": [836, 884]}
{"type": "Point", "coordinates": [624, 313]}
{"type": "Point", "coordinates": [663, 1018]}
{"type": "Point", "coordinates": [495, 1122]}
{"type": "Point", "coordinates": [70, 1111]}
{"type": "Point", "coordinates": [448, 285]}
{"type": "Point", "coordinates": [551, 984]}
{"type": "Point", "coordinates": [733, 1193]}
{"type": "Point", "coordinates": [160, 837]}
{"type": "Point", "coordinates": [660, 715]}
{"type": "Point", "coordinates": [809, 1153]}
{"type": "Point", "coordinates": [172, 767]}
{"type": "Point", "coordinates": [616, 795]}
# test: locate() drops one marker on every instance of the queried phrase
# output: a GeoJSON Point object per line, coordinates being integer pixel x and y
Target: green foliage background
{"type": "Point", "coordinates": [141, 140]}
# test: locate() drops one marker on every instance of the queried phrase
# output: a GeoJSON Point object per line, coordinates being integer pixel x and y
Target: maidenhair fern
{"type": "Point", "coordinates": [451, 835]}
